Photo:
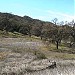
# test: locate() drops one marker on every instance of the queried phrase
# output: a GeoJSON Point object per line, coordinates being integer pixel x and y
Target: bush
{"type": "Point", "coordinates": [40, 55]}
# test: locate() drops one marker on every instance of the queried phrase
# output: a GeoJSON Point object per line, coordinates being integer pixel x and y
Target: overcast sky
{"type": "Point", "coordinates": [40, 9]}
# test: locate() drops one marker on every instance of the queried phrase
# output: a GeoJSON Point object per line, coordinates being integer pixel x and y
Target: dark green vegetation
{"type": "Point", "coordinates": [47, 31]}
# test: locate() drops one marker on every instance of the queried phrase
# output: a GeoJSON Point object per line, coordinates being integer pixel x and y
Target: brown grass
{"type": "Point", "coordinates": [3, 55]}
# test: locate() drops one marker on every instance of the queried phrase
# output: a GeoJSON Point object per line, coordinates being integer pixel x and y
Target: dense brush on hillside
{"type": "Point", "coordinates": [25, 25]}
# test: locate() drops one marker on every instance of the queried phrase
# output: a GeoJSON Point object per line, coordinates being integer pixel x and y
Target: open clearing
{"type": "Point", "coordinates": [17, 57]}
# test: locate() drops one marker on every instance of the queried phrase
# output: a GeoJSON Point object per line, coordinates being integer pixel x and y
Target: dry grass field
{"type": "Point", "coordinates": [30, 56]}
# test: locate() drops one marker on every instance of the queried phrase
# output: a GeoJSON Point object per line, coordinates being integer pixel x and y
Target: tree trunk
{"type": "Point", "coordinates": [57, 44]}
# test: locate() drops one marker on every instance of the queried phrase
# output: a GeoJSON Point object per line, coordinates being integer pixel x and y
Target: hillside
{"type": "Point", "coordinates": [33, 47]}
{"type": "Point", "coordinates": [25, 25]}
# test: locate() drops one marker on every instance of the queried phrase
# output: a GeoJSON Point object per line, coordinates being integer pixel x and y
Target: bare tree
{"type": "Point", "coordinates": [55, 21]}
{"type": "Point", "coordinates": [62, 23]}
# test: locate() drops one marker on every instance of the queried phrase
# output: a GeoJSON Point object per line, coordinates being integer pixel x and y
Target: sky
{"type": "Point", "coordinates": [45, 10]}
